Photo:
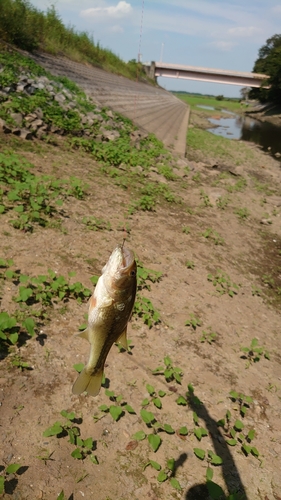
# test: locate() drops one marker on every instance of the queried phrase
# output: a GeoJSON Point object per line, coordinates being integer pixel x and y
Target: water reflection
{"type": "Point", "coordinates": [265, 134]}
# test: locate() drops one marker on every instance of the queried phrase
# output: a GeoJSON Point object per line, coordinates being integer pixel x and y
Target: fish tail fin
{"type": "Point", "coordinates": [87, 382]}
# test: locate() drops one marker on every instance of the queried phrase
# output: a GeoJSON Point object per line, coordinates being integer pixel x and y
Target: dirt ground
{"type": "Point", "coordinates": [188, 243]}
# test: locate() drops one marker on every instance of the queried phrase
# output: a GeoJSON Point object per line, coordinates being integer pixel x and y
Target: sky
{"type": "Point", "coordinates": [214, 34]}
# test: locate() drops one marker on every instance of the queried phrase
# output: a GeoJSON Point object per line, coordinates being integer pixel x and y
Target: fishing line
{"type": "Point", "coordinates": [136, 99]}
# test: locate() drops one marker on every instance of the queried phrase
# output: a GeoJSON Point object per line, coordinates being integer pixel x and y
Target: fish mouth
{"type": "Point", "coordinates": [128, 258]}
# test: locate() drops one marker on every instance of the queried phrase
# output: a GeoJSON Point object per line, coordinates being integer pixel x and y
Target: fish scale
{"type": "Point", "coordinates": [110, 309]}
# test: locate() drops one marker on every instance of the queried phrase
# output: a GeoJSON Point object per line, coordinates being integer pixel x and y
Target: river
{"type": "Point", "coordinates": [265, 134]}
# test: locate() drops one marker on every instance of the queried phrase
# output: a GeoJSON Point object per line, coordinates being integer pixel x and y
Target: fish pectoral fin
{"type": "Point", "coordinates": [89, 383]}
{"type": "Point", "coordinates": [123, 339]}
{"type": "Point", "coordinates": [84, 334]}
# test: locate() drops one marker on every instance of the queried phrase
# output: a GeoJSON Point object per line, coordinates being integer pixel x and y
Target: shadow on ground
{"type": "Point", "coordinates": [230, 472]}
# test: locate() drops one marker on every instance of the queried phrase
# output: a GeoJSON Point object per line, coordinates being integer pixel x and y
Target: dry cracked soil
{"type": "Point", "coordinates": [224, 231]}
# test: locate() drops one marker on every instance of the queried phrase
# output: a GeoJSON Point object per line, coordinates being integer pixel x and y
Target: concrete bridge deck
{"type": "Point", "coordinates": [245, 79]}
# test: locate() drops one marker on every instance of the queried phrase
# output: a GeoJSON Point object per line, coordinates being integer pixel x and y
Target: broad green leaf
{"type": "Point", "coordinates": [215, 491]}
{"type": "Point", "coordinates": [115, 412]}
{"type": "Point", "coordinates": [147, 416]}
{"type": "Point", "coordinates": [139, 436]}
{"type": "Point", "coordinates": [154, 441]}
{"type": "Point", "coordinates": [238, 425]}
{"type": "Point", "coordinates": [157, 403]}
{"type": "Point", "coordinates": [69, 416]}
{"type": "Point", "coordinates": [88, 443]}
{"type": "Point", "coordinates": [254, 451]}
{"type": "Point", "coordinates": [94, 459]}
{"type": "Point", "coordinates": [171, 464]}
{"type": "Point", "coordinates": [110, 394]}
{"type": "Point", "coordinates": [129, 409]}
{"type": "Point", "coordinates": [162, 476]}
{"type": "Point", "coordinates": [209, 474]}
{"type": "Point", "coordinates": [251, 434]}
{"type": "Point", "coordinates": [167, 361]}
{"type": "Point", "coordinates": [29, 324]}
{"type": "Point", "coordinates": [175, 484]}
{"type": "Point", "coordinates": [12, 468]}
{"type": "Point", "coordinates": [168, 428]}
{"type": "Point", "coordinates": [199, 453]}
{"type": "Point", "coordinates": [150, 389]}
{"type": "Point", "coordinates": [145, 402]}
{"type": "Point", "coordinates": [183, 431]}
{"type": "Point", "coordinates": [181, 401]}
{"type": "Point", "coordinates": [77, 454]}
{"type": "Point", "coordinates": [216, 460]}
{"type": "Point", "coordinates": [103, 408]}
{"type": "Point", "coordinates": [161, 394]}
{"type": "Point", "coordinates": [246, 448]}
{"type": "Point", "coordinates": [54, 430]}
{"type": "Point", "coordinates": [195, 418]}
{"type": "Point", "coordinates": [155, 465]}
{"type": "Point", "coordinates": [231, 442]}
{"type": "Point", "coordinates": [13, 337]}
{"type": "Point", "coordinates": [78, 367]}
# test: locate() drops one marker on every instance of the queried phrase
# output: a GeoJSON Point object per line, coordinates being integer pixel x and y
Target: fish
{"type": "Point", "coordinates": [110, 309]}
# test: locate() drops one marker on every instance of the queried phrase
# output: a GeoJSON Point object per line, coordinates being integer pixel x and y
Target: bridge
{"type": "Point", "coordinates": [155, 69]}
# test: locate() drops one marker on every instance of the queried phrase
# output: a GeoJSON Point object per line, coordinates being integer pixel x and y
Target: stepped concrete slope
{"type": "Point", "coordinates": [151, 108]}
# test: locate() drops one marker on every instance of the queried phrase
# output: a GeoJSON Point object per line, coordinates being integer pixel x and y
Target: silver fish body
{"type": "Point", "coordinates": [110, 309]}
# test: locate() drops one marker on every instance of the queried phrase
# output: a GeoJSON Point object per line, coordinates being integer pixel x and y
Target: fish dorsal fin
{"type": "Point", "coordinates": [84, 334]}
{"type": "Point", "coordinates": [123, 339]}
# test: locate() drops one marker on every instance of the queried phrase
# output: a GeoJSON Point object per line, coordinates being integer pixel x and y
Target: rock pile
{"type": "Point", "coordinates": [98, 123]}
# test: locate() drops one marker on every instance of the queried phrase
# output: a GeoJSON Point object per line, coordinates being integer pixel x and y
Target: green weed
{"type": "Point", "coordinates": [154, 397]}
{"type": "Point", "coordinates": [205, 199]}
{"type": "Point", "coordinates": [212, 235]}
{"type": "Point", "coordinates": [6, 475]}
{"type": "Point", "coordinates": [47, 288]}
{"type": "Point", "coordinates": [193, 321]}
{"type": "Point", "coordinates": [223, 283]}
{"type": "Point", "coordinates": [208, 336]}
{"type": "Point", "coordinates": [118, 408]}
{"type": "Point", "coordinates": [190, 264]}
{"type": "Point", "coordinates": [222, 202]}
{"type": "Point", "coordinates": [145, 310]}
{"type": "Point", "coordinates": [96, 224]}
{"type": "Point", "coordinates": [169, 371]}
{"type": "Point", "coordinates": [84, 447]}
{"type": "Point", "coordinates": [243, 213]}
{"type": "Point", "coordinates": [254, 353]}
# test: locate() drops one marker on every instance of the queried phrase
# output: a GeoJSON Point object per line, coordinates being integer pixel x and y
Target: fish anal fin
{"type": "Point", "coordinates": [123, 339]}
{"type": "Point", "coordinates": [89, 383]}
{"type": "Point", "coordinates": [84, 334]}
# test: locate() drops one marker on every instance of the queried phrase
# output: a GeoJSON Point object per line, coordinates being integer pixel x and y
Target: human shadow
{"type": "Point", "coordinates": [229, 470]}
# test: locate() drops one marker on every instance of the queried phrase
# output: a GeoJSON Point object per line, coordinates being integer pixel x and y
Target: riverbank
{"type": "Point", "coordinates": [271, 114]}
{"type": "Point", "coordinates": [193, 407]}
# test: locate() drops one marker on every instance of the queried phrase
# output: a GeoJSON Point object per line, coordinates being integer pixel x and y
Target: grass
{"type": "Point", "coordinates": [31, 29]}
{"type": "Point", "coordinates": [200, 100]}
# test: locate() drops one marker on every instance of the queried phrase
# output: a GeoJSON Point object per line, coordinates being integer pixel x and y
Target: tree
{"type": "Point", "coordinates": [269, 63]}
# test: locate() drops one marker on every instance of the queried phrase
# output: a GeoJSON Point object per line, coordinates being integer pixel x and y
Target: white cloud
{"type": "Point", "coordinates": [118, 11]}
{"type": "Point", "coordinates": [222, 45]}
{"type": "Point", "coordinates": [276, 9]}
{"type": "Point", "coordinates": [116, 29]}
{"type": "Point", "coordinates": [244, 31]}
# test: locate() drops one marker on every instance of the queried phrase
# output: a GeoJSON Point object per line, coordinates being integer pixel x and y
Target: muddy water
{"type": "Point", "coordinates": [265, 134]}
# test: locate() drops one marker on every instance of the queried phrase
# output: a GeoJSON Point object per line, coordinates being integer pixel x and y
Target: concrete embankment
{"type": "Point", "coordinates": [152, 108]}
